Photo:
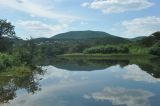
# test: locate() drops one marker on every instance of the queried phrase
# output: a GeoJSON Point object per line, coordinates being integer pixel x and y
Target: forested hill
{"type": "Point", "coordinates": [138, 38]}
{"type": "Point", "coordinates": [93, 37]}
{"type": "Point", "coordinates": [151, 40]}
{"type": "Point", "coordinates": [83, 35]}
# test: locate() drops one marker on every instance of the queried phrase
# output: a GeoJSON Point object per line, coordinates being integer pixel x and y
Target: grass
{"type": "Point", "coordinates": [17, 71]}
{"type": "Point", "coordinates": [105, 56]}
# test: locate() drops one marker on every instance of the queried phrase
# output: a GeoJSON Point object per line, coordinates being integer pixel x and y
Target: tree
{"type": "Point", "coordinates": [6, 29]}
{"type": "Point", "coordinates": [155, 50]}
{"type": "Point", "coordinates": [151, 40]}
{"type": "Point", "coordinates": [157, 35]}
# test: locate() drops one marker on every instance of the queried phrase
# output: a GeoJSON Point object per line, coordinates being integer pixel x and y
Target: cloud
{"type": "Point", "coordinates": [40, 29]}
{"type": "Point", "coordinates": [85, 4]}
{"type": "Point", "coordinates": [123, 96]}
{"type": "Point", "coordinates": [118, 6]}
{"type": "Point", "coordinates": [84, 23]}
{"type": "Point", "coordinates": [141, 26]}
{"type": "Point", "coordinates": [135, 73]}
{"type": "Point", "coordinates": [35, 9]}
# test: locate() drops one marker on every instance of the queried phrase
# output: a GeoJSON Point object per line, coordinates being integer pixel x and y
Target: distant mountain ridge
{"type": "Point", "coordinates": [151, 40]}
{"type": "Point", "coordinates": [83, 35]}
{"type": "Point", "coordinates": [139, 38]}
{"type": "Point", "coordinates": [96, 37]}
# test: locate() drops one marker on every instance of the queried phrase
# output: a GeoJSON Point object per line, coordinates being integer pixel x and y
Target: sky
{"type": "Point", "coordinates": [46, 18]}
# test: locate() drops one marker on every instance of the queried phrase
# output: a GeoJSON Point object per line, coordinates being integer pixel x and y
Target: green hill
{"type": "Point", "coordinates": [151, 40]}
{"type": "Point", "coordinates": [83, 35]}
{"type": "Point", "coordinates": [138, 38]}
{"type": "Point", "coordinates": [77, 41]}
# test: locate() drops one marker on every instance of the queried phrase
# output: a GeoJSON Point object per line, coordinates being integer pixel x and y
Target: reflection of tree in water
{"type": "Point", "coordinates": [109, 62]}
{"type": "Point", "coordinates": [9, 86]}
{"type": "Point", "coordinates": [150, 65]}
{"type": "Point", "coordinates": [7, 93]}
{"type": "Point", "coordinates": [86, 64]}
{"type": "Point", "coordinates": [29, 83]}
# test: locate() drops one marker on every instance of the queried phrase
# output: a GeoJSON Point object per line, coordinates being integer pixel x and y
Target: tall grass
{"type": "Point", "coordinates": [17, 71]}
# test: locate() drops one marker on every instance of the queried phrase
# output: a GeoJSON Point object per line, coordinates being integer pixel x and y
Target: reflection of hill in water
{"type": "Point", "coordinates": [86, 65]}
{"type": "Point", "coordinates": [151, 66]}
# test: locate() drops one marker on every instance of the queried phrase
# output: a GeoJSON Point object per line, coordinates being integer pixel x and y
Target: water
{"type": "Point", "coordinates": [81, 82]}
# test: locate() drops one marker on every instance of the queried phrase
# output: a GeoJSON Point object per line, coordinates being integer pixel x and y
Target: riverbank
{"type": "Point", "coordinates": [105, 56]}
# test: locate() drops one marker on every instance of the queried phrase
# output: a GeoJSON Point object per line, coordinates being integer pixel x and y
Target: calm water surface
{"type": "Point", "coordinates": [79, 82]}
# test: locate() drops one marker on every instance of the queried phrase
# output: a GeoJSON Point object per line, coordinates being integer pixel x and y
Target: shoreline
{"type": "Point", "coordinates": [105, 56]}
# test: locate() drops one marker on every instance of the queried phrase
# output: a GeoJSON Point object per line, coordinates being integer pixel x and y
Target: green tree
{"type": "Point", "coordinates": [6, 29]}
{"type": "Point", "coordinates": [26, 51]}
{"type": "Point", "coordinates": [155, 50]}
{"type": "Point", "coordinates": [108, 49]}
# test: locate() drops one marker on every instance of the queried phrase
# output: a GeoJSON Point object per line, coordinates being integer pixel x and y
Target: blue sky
{"type": "Point", "coordinates": [45, 18]}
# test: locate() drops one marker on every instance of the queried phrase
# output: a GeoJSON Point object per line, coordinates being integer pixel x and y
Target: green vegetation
{"type": "Point", "coordinates": [82, 35]}
{"type": "Point", "coordinates": [106, 49]}
{"type": "Point", "coordinates": [7, 61]}
{"type": "Point", "coordinates": [142, 46]}
{"type": "Point", "coordinates": [104, 56]}
{"type": "Point", "coordinates": [138, 49]}
{"type": "Point", "coordinates": [17, 71]}
{"type": "Point", "coordinates": [155, 50]}
{"type": "Point", "coordinates": [136, 39]}
{"type": "Point", "coordinates": [15, 57]}
{"type": "Point", "coordinates": [95, 42]}
{"type": "Point", "coordinates": [6, 28]}
{"type": "Point", "coordinates": [150, 40]}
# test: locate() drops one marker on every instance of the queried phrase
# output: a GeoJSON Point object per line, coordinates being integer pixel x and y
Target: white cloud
{"type": "Point", "coordinates": [40, 29]}
{"type": "Point", "coordinates": [118, 6]}
{"type": "Point", "coordinates": [141, 26]}
{"type": "Point", "coordinates": [85, 4]}
{"type": "Point", "coordinates": [123, 96]}
{"type": "Point", "coordinates": [37, 9]}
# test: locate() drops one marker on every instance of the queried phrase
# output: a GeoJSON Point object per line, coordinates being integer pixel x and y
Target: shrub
{"type": "Point", "coordinates": [106, 50]}
{"type": "Point", "coordinates": [7, 61]}
{"type": "Point", "coordinates": [155, 50]}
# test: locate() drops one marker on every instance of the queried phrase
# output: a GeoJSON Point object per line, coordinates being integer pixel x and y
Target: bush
{"type": "Point", "coordinates": [7, 61]}
{"type": "Point", "coordinates": [106, 50]}
{"type": "Point", "coordinates": [155, 50]}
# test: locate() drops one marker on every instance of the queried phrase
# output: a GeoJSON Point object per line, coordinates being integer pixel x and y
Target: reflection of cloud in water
{"type": "Point", "coordinates": [58, 80]}
{"type": "Point", "coordinates": [123, 96]}
{"type": "Point", "coordinates": [136, 73]}
{"type": "Point", "coordinates": [62, 74]}
{"type": "Point", "coordinates": [48, 94]}
{"type": "Point", "coordinates": [66, 82]}
{"type": "Point", "coordinates": [55, 72]}
{"type": "Point", "coordinates": [130, 72]}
